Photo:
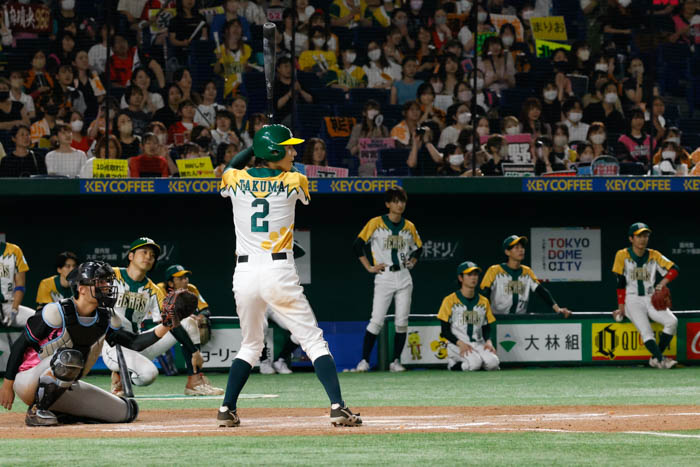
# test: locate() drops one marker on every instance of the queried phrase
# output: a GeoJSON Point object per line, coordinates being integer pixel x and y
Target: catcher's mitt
{"type": "Point", "coordinates": [204, 326]}
{"type": "Point", "coordinates": [661, 300]}
{"type": "Point", "coordinates": [177, 305]}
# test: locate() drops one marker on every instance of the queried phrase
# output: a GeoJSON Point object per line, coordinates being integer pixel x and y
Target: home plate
{"type": "Point", "coordinates": [178, 397]}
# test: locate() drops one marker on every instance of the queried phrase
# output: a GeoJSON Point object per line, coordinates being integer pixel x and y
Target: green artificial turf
{"type": "Point", "coordinates": [396, 449]}
{"type": "Point", "coordinates": [527, 386]}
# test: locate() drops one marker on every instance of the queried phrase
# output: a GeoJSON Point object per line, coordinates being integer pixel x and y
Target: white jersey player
{"type": "Point", "coordinates": [138, 299]}
{"type": "Point", "coordinates": [13, 269]}
{"type": "Point", "coordinates": [264, 199]}
{"type": "Point", "coordinates": [395, 248]}
{"type": "Point", "coordinates": [640, 271]}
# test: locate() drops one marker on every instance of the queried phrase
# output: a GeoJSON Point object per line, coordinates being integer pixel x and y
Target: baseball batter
{"type": "Point", "coordinates": [13, 270]}
{"type": "Point", "coordinates": [508, 285]}
{"type": "Point", "coordinates": [178, 278]}
{"type": "Point", "coordinates": [638, 270]}
{"type": "Point", "coordinates": [56, 288]}
{"type": "Point", "coordinates": [137, 299]}
{"type": "Point", "coordinates": [465, 319]}
{"type": "Point", "coordinates": [60, 345]}
{"type": "Point", "coordinates": [395, 247]}
{"type": "Point", "coordinates": [263, 199]}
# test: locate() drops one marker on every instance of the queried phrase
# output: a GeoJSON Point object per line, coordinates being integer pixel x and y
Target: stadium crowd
{"type": "Point", "coordinates": [375, 86]}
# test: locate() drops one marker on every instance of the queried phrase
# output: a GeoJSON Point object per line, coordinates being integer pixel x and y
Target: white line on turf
{"type": "Point", "coordinates": [656, 433]}
{"type": "Point", "coordinates": [178, 397]}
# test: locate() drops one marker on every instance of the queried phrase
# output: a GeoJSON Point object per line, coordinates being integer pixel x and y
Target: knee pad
{"type": "Point", "coordinates": [132, 410]}
{"type": "Point", "coordinates": [66, 365]}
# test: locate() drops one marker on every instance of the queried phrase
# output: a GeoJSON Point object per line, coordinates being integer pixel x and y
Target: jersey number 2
{"type": "Point", "coordinates": [256, 222]}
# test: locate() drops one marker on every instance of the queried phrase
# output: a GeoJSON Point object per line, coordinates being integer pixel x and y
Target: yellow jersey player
{"type": "Point", "coordinates": [508, 285]}
{"type": "Point", "coordinates": [465, 319]}
{"type": "Point", "coordinates": [176, 278]}
{"type": "Point", "coordinates": [56, 288]}
{"type": "Point", "coordinates": [139, 298]}
{"type": "Point", "coordinates": [395, 248]}
{"type": "Point", "coordinates": [263, 199]}
{"type": "Point", "coordinates": [637, 269]}
{"type": "Point", "coordinates": [13, 269]}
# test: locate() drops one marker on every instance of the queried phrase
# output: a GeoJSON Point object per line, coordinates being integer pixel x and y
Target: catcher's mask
{"type": "Point", "coordinates": [99, 276]}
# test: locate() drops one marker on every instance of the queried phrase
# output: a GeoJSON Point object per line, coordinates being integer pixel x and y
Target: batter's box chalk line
{"type": "Point", "coordinates": [178, 397]}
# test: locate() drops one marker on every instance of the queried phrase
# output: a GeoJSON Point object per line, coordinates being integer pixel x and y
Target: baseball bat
{"type": "Point", "coordinates": [269, 52]}
{"type": "Point", "coordinates": [124, 372]}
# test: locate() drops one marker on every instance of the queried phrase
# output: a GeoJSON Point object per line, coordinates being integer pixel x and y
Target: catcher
{"type": "Point", "coordinates": [61, 343]}
{"type": "Point", "coordinates": [178, 278]}
{"type": "Point", "coordinates": [640, 297]}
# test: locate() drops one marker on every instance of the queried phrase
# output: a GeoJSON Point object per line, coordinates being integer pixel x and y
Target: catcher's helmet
{"type": "Point", "coordinates": [269, 142]}
{"type": "Point", "coordinates": [98, 274]}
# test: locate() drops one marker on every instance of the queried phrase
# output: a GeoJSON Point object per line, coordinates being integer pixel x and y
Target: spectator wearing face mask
{"type": "Point", "coordinates": [560, 146]}
{"type": "Point", "coordinates": [597, 137]}
{"type": "Point", "coordinates": [452, 162]}
{"type": "Point", "coordinates": [498, 68]}
{"type": "Point", "coordinates": [671, 160]}
{"type": "Point", "coordinates": [510, 125]}
{"type": "Point", "coordinates": [546, 160]}
{"type": "Point", "coordinates": [496, 150]}
{"type": "Point", "coordinates": [551, 105]}
{"type": "Point", "coordinates": [348, 75]}
{"type": "Point", "coordinates": [463, 95]}
{"type": "Point", "coordinates": [458, 118]}
{"type": "Point", "coordinates": [607, 109]}
{"type": "Point", "coordinates": [318, 58]}
{"type": "Point", "coordinates": [581, 58]}
{"type": "Point", "coordinates": [686, 24]}
{"type": "Point", "coordinates": [684, 157]}
{"type": "Point", "coordinates": [656, 119]}
{"type": "Point", "coordinates": [561, 66]}
{"type": "Point", "coordinates": [633, 146]}
{"type": "Point", "coordinates": [44, 131]}
{"type": "Point", "coordinates": [440, 31]}
{"type": "Point", "coordinates": [80, 140]}
{"type": "Point", "coordinates": [367, 128]}
{"type": "Point", "coordinates": [573, 114]}
{"type": "Point", "coordinates": [380, 72]}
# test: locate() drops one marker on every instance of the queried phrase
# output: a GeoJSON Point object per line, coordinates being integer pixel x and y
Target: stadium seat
{"type": "Point", "coordinates": [349, 110]}
{"type": "Point", "coordinates": [330, 96]}
{"type": "Point", "coordinates": [309, 119]}
{"type": "Point", "coordinates": [201, 59]}
{"type": "Point", "coordinates": [392, 162]}
{"type": "Point", "coordinates": [254, 84]}
{"type": "Point", "coordinates": [309, 81]}
{"type": "Point", "coordinates": [632, 168]}
{"type": "Point", "coordinates": [393, 115]}
{"type": "Point", "coordinates": [362, 95]}
{"type": "Point", "coordinates": [256, 37]}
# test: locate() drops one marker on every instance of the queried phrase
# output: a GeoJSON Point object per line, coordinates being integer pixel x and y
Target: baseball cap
{"type": "Point", "coordinates": [466, 267]}
{"type": "Point", "coordinates": [513, 240]}
{"type": "Point", "coordinates": [176, 270]}
{"type": "Point", "coordinates": [638, 228]}
{"type": "Point", "coordinates": [144, 241]}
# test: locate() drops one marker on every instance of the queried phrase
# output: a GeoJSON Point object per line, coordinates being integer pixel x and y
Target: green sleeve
{"type": "Point", "coordinates": [240, 160]}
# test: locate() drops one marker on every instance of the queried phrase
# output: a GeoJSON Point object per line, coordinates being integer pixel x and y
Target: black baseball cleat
{"type": "Point", "coordinates": [342, 416]}
{"type": "Point", "coordinates": [229, 418]}
{"type": "Point", "coordinates": [37, 417]}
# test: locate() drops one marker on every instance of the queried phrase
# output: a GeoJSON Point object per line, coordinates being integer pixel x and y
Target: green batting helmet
{"type": "Point", "coordinates": [269, 142]}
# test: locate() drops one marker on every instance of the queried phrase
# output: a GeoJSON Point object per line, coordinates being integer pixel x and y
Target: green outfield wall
{"type": "Point", "coordinates": [457, 219]}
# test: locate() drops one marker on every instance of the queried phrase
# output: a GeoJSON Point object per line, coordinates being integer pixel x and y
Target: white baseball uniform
{"type": "Point", "coordinates": [391, 244]}
{"type": "Point", "coordinates": [640, 276]}
{"type": "Point", "coordinates": [467, 318]}
{"type": "Point", "coordinates": [137, 301]}
{"type": "Point", "coordinates": [12, 261]}
{"type": "Point", "coordinates": [510, 289]}
{"type": "Point", "coordinates": [263, 203]}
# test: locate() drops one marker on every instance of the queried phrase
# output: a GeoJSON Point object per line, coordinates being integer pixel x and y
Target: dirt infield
{"type": "Point", "coordinates": [257, 422]}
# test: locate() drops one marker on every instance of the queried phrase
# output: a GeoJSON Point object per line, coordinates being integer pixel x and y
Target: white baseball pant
{"type": "Point", "coordinates": [270, 314]}
{"type": "Point", "coordinates": [476, 359]}
{"type": "Point", "coordinates": [262, 281]}
{"type": "Point", "coordinates": [388, 286]}
{"type": "Point", "coordinates": [82, 399]}
{"type": "Point", "coordinates": [141, 367]}
{"type": "Point", "coordinates": [639, 310]}
{"type": "Point", "coordinates": [23, 314]}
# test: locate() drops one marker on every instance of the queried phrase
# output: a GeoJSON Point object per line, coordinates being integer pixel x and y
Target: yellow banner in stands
{"type": "Point", "coordinates": [550, 28]}
{"type": "Point", "coordinates": [110, 168]}
{"type": "Point", "coordinates": [546, 49]}
{"type": "Point", "coordinates": [199, 167]}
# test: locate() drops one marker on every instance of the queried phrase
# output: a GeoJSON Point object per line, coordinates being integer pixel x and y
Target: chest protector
{"type": "Point", "coordinates": [78, 336]}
